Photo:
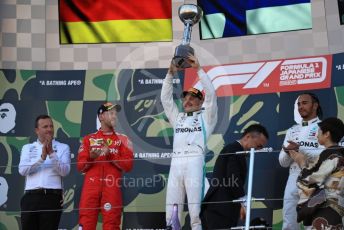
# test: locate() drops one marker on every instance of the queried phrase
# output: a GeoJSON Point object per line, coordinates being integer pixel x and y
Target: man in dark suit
{"type": "Point", "coordinates": [228, 181]}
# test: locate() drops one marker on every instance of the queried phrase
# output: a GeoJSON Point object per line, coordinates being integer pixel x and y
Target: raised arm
{"type": "Point", "coordinates": [210, 100]}
{"type": "Point", "coordinates": [170, 107]}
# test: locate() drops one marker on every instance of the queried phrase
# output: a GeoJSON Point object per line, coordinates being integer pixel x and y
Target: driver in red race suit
{"type": "Point", "coordinates": [103, 157]}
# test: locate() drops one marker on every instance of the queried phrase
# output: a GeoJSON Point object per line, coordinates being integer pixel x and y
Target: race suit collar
{"type": "Point", "coordinates": [306, 123]}
{"type": "Point", "coordinates": [190, 114]}
{"type": "Point", "coordinates": [107, 133]}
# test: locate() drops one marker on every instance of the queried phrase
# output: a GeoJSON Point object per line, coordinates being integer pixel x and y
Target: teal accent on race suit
{"type": "Point", "coordinates": [205, 145]}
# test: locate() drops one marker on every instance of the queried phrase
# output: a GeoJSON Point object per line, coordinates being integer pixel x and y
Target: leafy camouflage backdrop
{"type": "Point", "coordinates": [71, 98]}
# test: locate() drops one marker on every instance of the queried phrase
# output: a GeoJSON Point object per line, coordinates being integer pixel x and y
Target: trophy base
{"type": "Point", "coordinates": [181, 55]}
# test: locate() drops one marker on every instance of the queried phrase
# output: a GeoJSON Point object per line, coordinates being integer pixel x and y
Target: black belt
{"type": "Point", "coordinates": [44, 191]}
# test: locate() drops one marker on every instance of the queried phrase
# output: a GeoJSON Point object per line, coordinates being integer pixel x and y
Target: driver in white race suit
{"type": "Point", "coordinates": [301, 137]}
{"type": "Point", "coordinates": [192, 129]}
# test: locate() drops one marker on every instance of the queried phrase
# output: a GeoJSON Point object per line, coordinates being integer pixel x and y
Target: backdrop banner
{"type": "Point", "coordinates": [262, 92]}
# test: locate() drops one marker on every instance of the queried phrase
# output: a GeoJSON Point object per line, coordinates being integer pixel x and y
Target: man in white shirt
{"type": "Point", "coordinates": [301, 137]}
{"type": "Point", "coordinates": [43, 163]}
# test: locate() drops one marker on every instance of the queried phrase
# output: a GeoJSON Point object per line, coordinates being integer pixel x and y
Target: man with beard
{"type": "Point", "coordinates": [192, 129]}
{"type": "Point", "coordinates": [302, 138]}
{"type": "Point", "coordinates": [103, 157]}
{"type": "Point", "coordinates": [43, 163]}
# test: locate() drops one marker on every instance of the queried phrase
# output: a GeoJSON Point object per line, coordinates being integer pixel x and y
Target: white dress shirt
{"type": "Point", "coordinates": [44, 173]}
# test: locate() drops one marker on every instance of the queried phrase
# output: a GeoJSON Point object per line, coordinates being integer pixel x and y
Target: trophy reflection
{"type": "Point", "coordinates": [189, 14]}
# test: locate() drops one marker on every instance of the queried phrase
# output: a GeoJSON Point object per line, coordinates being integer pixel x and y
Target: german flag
{"type": "Point", "coordinates": [106, 21]}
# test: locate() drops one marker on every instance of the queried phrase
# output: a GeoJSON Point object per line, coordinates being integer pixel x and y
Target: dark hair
{"type": "Point", "coordinates": [315, 99]}
{"type": "Point", "coordinates": [256, 128]}
{"type": "Point", "coordinates": [40, 117]}
{"type": "Point", "coordinates": [333, 125]}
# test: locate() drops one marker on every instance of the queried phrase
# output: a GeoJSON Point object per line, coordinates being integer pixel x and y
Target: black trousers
{"type": "Point", "coordinates": [41, 209]}
{"type": "Point", "coordinates": [212, 218]}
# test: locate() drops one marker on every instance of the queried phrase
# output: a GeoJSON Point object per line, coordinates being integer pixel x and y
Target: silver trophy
{"type": "Point", "coordinates": [190, 14]}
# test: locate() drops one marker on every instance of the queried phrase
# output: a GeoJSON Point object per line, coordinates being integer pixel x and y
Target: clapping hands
{"type": "Point", "coordinates": [47, 148]}
{"type": "Point", "coordinates": [298, 157]}
{"type": "Point", "coordinates": [96, 152]}
{"type": "Point", "coordinates": [291, 146]}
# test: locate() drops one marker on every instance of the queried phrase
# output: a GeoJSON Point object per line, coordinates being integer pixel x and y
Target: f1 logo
{"type": "Point", "coordinates": [281, 75]}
